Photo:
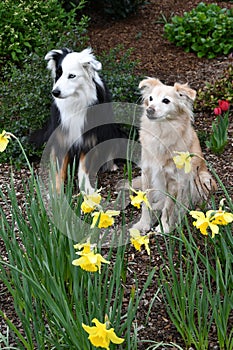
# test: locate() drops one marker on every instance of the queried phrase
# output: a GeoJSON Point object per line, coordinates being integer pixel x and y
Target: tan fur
{"type": "Point", "coordinates": [165, 128]}
{"type": "Point", "coordinates": [62, 173]}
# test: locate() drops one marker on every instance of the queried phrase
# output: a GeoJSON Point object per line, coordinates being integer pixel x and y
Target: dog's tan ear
{"type": "Point", "coordinates": [185, 90]}
{"type": "Point", "coordinates": [149, 83]}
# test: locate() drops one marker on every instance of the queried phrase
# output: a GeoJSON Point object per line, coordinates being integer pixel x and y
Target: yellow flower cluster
{"type": "Point", "coordinates": [89, 260]}
{"type": "Point", "coordinates": [212, 219]}
{"type": "Point", "coordinates": [100, 219]}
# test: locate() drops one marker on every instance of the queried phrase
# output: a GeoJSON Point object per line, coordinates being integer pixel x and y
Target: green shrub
{"type": "Point", "coordinates": [25, 104]}
{"type": "Point", "coordinates": [70, 4]}
{"type": "Point", "coordinates": [206, 30]}
{"type": "Point", "coordinates": [29, 26]}
{"type": "Point", "coordinates": [118, 71]}
{"type": "Point", "coordinates": [120, 8]}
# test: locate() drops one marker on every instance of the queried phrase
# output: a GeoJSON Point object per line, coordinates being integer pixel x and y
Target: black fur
{"type": "Point", "coordinates": [99, 126]}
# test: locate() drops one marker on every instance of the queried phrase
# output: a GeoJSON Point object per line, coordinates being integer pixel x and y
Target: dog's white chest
{"type": "Point", "coordinates": [72, 119]}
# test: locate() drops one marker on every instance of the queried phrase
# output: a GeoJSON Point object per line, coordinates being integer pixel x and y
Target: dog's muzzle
{"type": "Point", "coordinates": [56, 93]}
{"type": "Point", "coordinates": [150, 113]}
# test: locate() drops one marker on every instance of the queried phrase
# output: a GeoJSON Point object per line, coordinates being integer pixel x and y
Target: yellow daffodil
{"type": "Point", "coordinates": [100, 336]}
{"type": "Point", "coordinates": [90, 261]}
{"type": "Point", "coordinates": [104, 219]}
{"type": "Point", "coordinates": [138, 240]}
{"type": "Point", "coordinates": [222, 218]}
{"type": "Point", "coordinates": [212, 219]}
{"type": "Point", "coordinates": [205, 221]}
{"type": "Point", "coordinates": [4, 139]}
{"type": "Point", "coordinates": [90, 201]}
{"type": "Point", "coordinates": [139, 198]}
{"type": "Point", "coordinates": [86, 247]}
{"type": "Point", "coordinates": [183, 160]}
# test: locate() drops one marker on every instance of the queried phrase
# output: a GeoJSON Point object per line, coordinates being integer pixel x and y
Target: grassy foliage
{"type": "Point", "coordinates": [205, 30]}
{"type": "Point", "coordinates": [52, 298]}
{"type": "Point", "coordinates": [197, 290]}
{"type": "Point", "coordinates": [219, 137]}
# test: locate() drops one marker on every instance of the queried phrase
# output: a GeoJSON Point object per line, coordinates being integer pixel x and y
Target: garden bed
{"type": "Point", "coordinates": [158, 58]}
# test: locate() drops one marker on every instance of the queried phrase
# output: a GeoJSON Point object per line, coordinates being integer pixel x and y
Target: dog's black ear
{"type": "Point", "coordinates": [54, 58]}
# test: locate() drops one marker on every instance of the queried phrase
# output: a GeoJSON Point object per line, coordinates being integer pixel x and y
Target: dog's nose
{"type": "Point", "coordinates": [150, 112]}
{"type": "Point", "coordinates": [56, 92]}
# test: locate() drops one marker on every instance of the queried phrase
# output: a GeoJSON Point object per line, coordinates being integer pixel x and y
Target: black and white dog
{"type": "Point", "coordinates": [81, 117]}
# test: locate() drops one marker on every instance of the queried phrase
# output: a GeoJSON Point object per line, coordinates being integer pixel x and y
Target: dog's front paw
{"type": "Point", "coordinates": [142, 226]}
{"type": "Point", "coordinates": [162, 228]}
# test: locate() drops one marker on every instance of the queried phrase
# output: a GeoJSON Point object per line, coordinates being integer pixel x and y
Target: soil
{"type": "Point", "coordinates": [157, 58]}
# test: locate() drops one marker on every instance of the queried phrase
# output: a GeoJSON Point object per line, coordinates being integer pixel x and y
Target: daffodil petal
{"type": "Point", "coordinates": [197, 214]}
{"type": "Point", "coordinates": [4, 140]}
{"type": "Point", "coordinates": [114, 338]}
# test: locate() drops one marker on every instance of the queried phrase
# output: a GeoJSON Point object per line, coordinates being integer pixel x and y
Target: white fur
{"type": "Point", "coordinates": [166, 128]}
{"type": "Point", "coordinates": [78, 91]}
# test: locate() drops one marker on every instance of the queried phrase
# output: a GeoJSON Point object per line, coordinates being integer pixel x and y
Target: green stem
{"type": "Point", "coordinates": [22, 149]}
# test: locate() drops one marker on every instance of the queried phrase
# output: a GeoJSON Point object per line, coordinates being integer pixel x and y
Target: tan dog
{"type": "Point", "coordinates": [166, 128]}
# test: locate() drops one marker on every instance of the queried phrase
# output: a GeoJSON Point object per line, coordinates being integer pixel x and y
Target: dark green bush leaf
{"type": "Point", "coordinates": [206, 30]}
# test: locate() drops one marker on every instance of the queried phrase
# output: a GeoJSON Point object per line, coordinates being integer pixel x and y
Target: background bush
{"type": "Point", "coordinates": [25, 84]}
{"type": "Point", "coordinates": [29, 26]}
{"type": "Point", "coordinates": [118, 71]}
{"type": "Point", "coordinates": [206, 30]}
{"type": "Point", "coordinates": [120, 8]}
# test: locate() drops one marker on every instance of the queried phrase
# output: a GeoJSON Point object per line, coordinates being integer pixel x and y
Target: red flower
{"type": "Point", "coordinates": [217, 111]}
{"type": "Point", "coordinates": [224, 105]}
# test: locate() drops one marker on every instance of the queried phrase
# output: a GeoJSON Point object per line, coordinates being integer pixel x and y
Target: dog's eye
{"type": "Point", "coordinates": [150, 98]}
{"type": "Point", "coordinates": [71, 76]}
{"type": "Point", "coordinates": [166, 101]}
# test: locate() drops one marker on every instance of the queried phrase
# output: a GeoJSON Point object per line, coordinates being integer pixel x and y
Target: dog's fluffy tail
{"type": "Point", "coordinates": [39, 137]}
